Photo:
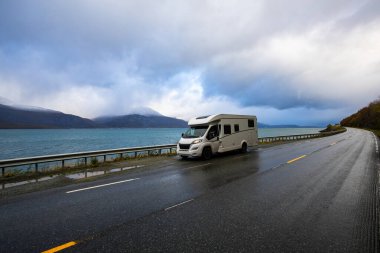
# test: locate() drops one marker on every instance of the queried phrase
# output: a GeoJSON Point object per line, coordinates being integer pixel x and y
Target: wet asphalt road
{"type": "Point", "coordinates": [264, 201]}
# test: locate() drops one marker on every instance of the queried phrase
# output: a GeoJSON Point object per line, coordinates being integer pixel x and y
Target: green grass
{"type": "Point", "coordinates": [332, 128]}
{"type": "Point", "coordinates": [377, 132]}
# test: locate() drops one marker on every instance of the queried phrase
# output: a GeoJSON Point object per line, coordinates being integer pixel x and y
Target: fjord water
{"type": "Point", "coordinates": [17, 143]}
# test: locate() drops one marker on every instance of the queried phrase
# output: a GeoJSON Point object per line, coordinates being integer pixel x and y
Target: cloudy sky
{"type": "Point", "coordinates": [288, 62]}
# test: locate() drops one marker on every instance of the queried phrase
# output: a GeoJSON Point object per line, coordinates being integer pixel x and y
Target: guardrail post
{"type": "Point", "coordinates": [85, 161]}
{"type": "Point", "coordinates": [2, 172]}
{"type": "Point", "coordinates": [36, 167]}
{"type": "Point", "coordinates": [63, 164]}
{"type": "Point", "coordinates": [104, 158]}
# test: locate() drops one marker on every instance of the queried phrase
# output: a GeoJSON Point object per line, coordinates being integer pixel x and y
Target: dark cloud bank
{"type": "Point", "coordinates": [305, 62]}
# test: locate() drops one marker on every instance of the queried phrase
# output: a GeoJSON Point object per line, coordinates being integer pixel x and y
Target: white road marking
{"type": "Point", "coordinates": [275, 167]}
{"type": "Point", "coordinates": [102, 185]}
{"type": "Point", "coordinates": [378, 160]}
{"type": "Point", "coordinates": [133, 167]}
{"type": "Point", "coordinates": [166, 209]}
{"type": "Point", "coordinates": [376, 143]}
{"type": "Point", "coordinates": [196, 166]}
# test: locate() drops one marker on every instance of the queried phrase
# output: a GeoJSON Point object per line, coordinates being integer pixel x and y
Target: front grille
{"type": "Point", "coordinates": [184, 146]}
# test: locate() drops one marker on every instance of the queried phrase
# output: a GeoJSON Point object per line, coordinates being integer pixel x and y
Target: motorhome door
{"type": "Point", "coordinates": [213, 138]}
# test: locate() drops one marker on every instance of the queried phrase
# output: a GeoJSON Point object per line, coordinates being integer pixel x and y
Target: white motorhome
{"type": "Point", "coordinates": [208, 135]}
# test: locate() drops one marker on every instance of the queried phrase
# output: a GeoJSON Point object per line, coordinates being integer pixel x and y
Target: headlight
{"type": "Point", "coordinates": [197, 141]}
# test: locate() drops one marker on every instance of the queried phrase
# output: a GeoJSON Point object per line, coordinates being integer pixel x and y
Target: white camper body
{"type": "Point", "coordinates": [208, 135]}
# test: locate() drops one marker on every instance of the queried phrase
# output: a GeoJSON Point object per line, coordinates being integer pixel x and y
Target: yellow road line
{"type": "Point", "coordinates": [59, 248]}
{"type": "Point", "coordinates": [295, 159]}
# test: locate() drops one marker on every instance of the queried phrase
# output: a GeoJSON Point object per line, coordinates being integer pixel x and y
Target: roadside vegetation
{"type": "Point", "coordinates": [377, 132]}
{"type": "Point", "coordinates": [332, 128]}
{"type": "Point", "coordinates": [366, 118]}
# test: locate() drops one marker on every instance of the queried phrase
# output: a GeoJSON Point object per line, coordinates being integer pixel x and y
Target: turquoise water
{"type": "Point", "coordinates": [17, 143]}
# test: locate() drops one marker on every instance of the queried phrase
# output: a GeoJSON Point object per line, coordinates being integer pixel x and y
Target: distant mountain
{"type": "Point", "coordinates": [21, 116]}
{"type": "Point", "coordinates": [145, 111]}
{"type": "Point", "coordinates": [367, 117]}
{"type": "Point", "coordinates": [34, 117]}
{"type": "Point", "coordinates": [7, 102]}
{"type": "Point", "coordinates": [137, 121]}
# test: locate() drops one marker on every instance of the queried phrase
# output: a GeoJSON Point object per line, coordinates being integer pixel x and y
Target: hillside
{"type": "Point", "coordinates": [35, 117]}
{"type": "Point", "coordinates": [367, 117]}
{"type": "Point", "coordinates": [12, 117]}
{"type": "Point", "coordinates": [136, 121]}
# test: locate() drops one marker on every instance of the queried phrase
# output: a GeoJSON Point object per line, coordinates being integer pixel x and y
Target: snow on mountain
{"type": "Point", "coordinates": [5, 101]}
{"type": "Point", "coordinates": [145, 111]}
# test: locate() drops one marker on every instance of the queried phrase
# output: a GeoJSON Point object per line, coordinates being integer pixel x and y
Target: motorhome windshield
{"type": "Point", "coordinates": [195, 132]}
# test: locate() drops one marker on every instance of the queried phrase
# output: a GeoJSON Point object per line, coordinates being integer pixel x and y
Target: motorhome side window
{"type": "Point", "coordinates": [227, 129]}
{"type": "Point", "coordinates": [251, 123]}
{"type": "Point", "coordinates": [236, 127]}
{"type": "Point", "coordinates": [213, 132]}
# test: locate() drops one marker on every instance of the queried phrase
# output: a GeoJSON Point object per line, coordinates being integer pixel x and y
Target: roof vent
{"type": "Point", "coordinates": [203, 117]}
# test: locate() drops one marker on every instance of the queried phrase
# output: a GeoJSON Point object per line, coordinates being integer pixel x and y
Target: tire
{"type": "Point", "coordinates": [207, 153]}
{"type": "Point", "coordinates": [184, 157]}
{"type": "Point", "coordinates": [244, 148]}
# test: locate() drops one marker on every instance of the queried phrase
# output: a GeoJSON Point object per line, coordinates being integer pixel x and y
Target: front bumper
{"type": "Point", "coordinates": [194, 150]}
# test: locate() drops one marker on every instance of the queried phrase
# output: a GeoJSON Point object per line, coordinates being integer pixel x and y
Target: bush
{"type": "Point", "coordinates": [94, 161]}
{"type": "Point", "coordinates": [367, 117]}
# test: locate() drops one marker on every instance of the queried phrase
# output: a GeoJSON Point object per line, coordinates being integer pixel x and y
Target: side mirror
{"type": "Point", "coordinates": [182, 134]}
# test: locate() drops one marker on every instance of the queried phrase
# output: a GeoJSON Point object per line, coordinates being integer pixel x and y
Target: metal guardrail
{"type": "Point", "coordinates": [82, 155]}
{"type": "Point", "coordinates": [134, 150]}
{"type": "Point", "coordinates": [298, 137]}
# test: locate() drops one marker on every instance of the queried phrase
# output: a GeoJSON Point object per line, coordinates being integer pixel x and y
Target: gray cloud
{"type": "Point", "coordinates": [98, 57]}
